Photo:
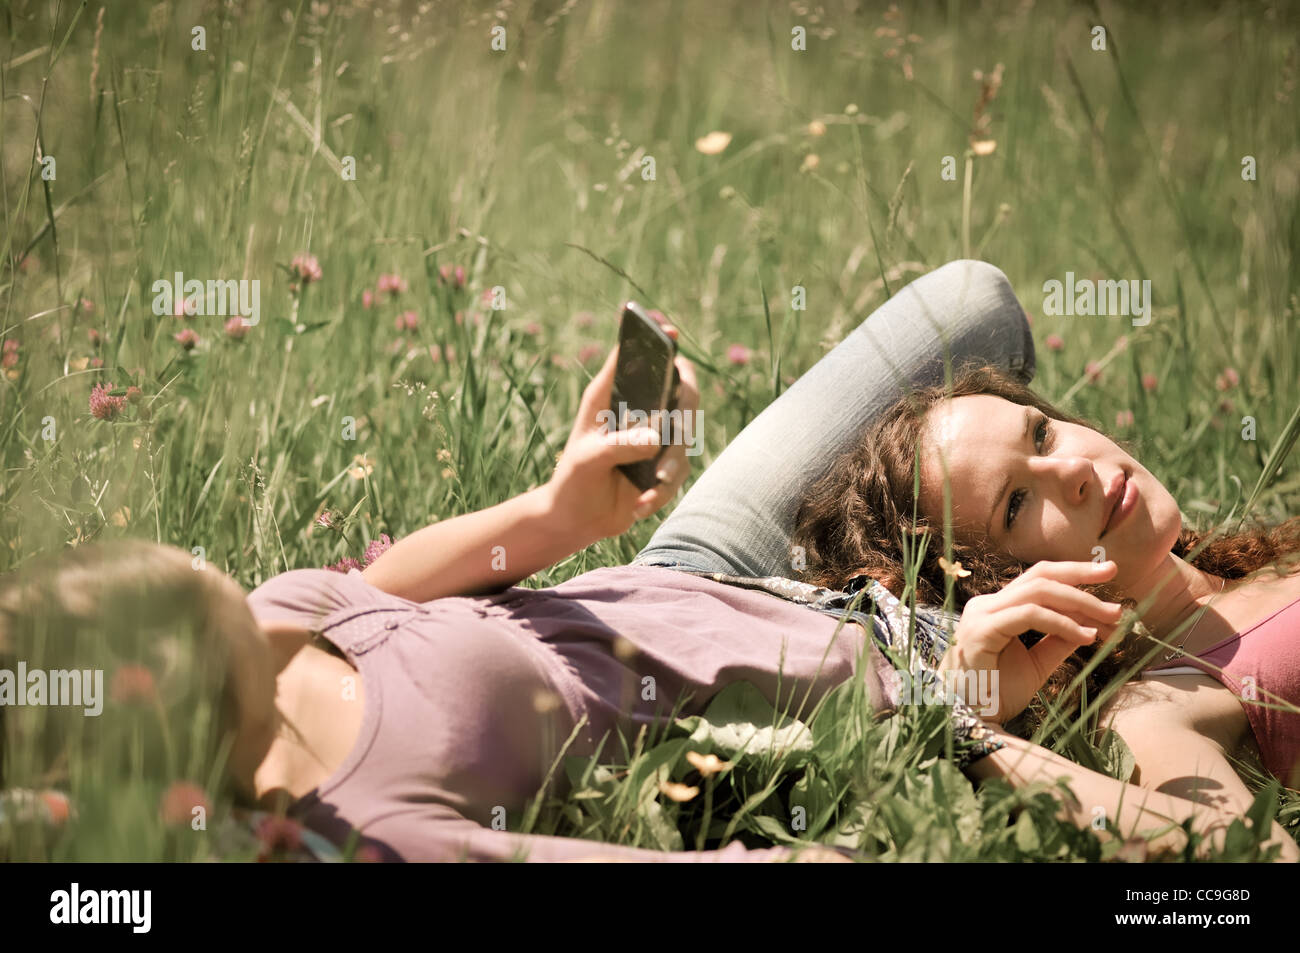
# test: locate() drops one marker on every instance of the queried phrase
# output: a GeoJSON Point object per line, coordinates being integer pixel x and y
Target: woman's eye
{"type": "Point", "coordinates": [1013, 506]}
{"type": "Point", "coordinates": [1042, 435]}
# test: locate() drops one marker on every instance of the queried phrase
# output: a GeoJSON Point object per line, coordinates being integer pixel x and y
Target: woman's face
{"type": "Point", "coordinates": [1041, 489]}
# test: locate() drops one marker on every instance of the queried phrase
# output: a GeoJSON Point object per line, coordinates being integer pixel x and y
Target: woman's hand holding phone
{"type": "Point", "coordinates": [590, 496]}
{"type": "Point", "coordinates": [1043, 598]}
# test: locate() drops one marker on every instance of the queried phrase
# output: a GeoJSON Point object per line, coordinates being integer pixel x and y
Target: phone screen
{"type": "Point", "coordinates": [643, 383]}
{"type": "Point", "coordinates": [643, 374]}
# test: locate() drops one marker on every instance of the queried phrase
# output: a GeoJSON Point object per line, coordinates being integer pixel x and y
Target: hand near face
{"type": "Point", "coordinates": [1044, 598]}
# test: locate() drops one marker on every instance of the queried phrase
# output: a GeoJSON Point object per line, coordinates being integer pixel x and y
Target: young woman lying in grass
{"type": "Point", "coordinates": [1034, 494]}
{"type": "Point", "coordinates": [411, 711]}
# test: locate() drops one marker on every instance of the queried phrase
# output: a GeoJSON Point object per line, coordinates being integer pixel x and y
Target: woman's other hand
{"type": "Point", "coordinates": [1043, 598]}
{"type": "Point", "coordinates": [589, 494]}
{"type": "Point", "coordinates": [585, 500]}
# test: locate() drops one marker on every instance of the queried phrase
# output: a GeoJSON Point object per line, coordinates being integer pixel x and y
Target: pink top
{"type": "Point", "coordinates": [469, 700]}
{"type": "Point", "coordinates": [1261, 666]}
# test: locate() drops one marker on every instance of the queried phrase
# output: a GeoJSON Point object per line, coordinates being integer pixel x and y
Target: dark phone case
{"type": "Point", "coordinates": [642, 473]}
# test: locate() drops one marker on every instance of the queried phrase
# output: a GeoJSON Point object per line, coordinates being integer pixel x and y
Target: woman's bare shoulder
{"type": "Point", "coordinates": [1153, 704]}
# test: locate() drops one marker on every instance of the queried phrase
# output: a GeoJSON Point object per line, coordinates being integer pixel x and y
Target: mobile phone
{"type": "Point", "coordinates": [645, 381]}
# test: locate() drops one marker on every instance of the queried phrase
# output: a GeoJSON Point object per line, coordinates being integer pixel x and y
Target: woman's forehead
{"type": "Point", "coordinates": [961, 436]}
{"type": "Point", "coordinates": [947, 420]}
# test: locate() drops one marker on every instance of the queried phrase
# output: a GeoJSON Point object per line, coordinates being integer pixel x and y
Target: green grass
{"type": "Point", "coordinates": [225, 164]}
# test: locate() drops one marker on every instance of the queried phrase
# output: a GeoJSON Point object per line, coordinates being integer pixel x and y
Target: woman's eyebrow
{"type": "Point", "coordinates": [1006, 484]}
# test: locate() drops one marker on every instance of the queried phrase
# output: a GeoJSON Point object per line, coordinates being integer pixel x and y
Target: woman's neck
{"type": "Point", "coordinates": [1170, 592]}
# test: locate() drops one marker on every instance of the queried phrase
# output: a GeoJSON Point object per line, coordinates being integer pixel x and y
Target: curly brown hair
{"type": "Point", "coordinates": [862, 518]}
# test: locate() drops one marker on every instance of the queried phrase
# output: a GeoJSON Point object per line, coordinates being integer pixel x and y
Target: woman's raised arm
{"type": "Point", "coordinates": [585, 500]}
{"type": "Point", "coordinates": [738, 516]}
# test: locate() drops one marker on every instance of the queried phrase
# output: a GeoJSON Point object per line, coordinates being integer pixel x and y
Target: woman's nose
{"type": "Point", "coordinates": [1073, 474]}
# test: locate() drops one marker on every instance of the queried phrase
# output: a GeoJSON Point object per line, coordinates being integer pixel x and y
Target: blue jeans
{"type": "Point", "coordinates": [738, 516]}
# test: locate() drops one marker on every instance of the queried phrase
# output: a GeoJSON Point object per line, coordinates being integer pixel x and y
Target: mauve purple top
{"type": "Point", "coordinates": [468, 700]}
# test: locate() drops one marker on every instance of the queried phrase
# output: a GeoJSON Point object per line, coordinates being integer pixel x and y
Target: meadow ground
{"type": "Point", "coordinates": [443, 233]}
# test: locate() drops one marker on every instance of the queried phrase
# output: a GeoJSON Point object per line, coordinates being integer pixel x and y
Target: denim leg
{"type": "Point", "coordinates": [738, 515]}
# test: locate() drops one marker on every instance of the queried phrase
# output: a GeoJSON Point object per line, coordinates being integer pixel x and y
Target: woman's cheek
{"type": "Point", "coordinates": [1063, 542]}
{"type": "Point", "coordinates": [1157, 529]}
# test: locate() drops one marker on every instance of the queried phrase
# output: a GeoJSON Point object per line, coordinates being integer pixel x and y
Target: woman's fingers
{"type": "Point", "coordinates": [1049, 653]}
{"type": "Point", "coordinates": [1045, 591]}
{"type": "Point", "coordinates": [688, 389]}
{"type": "Point", "coordinates": [651, 500]}
{"type": "Point", "coordinates": [1011, 622]}
{"type": "Point", "coordinates": [1073, 573]}
{"type": "Point", "coordinates": [629, 446]}
{"type": "Point", "coordinates": [595, 397]}
{"type": "Point", "coordinates": [672, 468]}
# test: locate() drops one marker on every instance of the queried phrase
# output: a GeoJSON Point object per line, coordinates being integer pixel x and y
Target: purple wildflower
{"type": "Point", "coordinates": [104, 406]}
{"type": "Point", "coordinates": [377, 548]}
{"type": "Point", "coordinates": [345, 564]}
{"type": "Point", "coordinates": [306, 268]}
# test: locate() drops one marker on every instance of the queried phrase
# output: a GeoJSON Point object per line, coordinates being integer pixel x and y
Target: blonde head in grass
{"type": "Point", "coordinates": [187, 684]}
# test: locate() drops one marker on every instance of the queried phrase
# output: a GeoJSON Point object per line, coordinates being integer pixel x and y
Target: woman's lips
{"type": "Point", "coordinates": [1121, 497]}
